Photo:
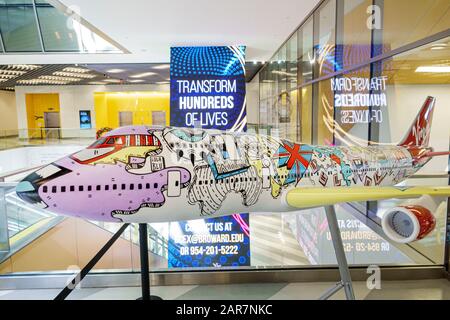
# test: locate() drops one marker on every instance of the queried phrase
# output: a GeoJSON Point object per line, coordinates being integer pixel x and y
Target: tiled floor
{"type": "Point", "coordinates": [417, 289]}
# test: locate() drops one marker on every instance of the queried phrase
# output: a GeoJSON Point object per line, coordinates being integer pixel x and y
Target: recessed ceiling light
{"type": "Point", "coordinates": [112, 80]}
{"type": "Point", "coordinates": [438, 46]}
{"type": "Point", "coordinates": [12, 72]}
{"type": "Point", "coordinates": [59, 78]}
{"type": "Point", "coordinates": [434, 69]}
{"type": "Point", "coordinates": [115, 70]}
{"type": "Point", "coordinates": [162, 82]}
{"type": "Point", "coordinates": [136, 80]}
{"type": "Point", "coordinates": [161, 67]}
{"type": "Point", "coordinates": [142, 75]}
{"type": "Point", "coordinates": [73, 69]}
{"type": "Point", "coordinates": [23, 66]}
{"type": "Point", "coordinates": [74, 74]}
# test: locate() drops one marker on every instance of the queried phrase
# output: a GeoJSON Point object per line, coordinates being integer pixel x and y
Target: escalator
{"type": "Point", "coordinates": [35, 240]}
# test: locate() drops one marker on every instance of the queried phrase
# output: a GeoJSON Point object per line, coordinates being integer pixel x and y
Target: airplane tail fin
{"type": "Point", "coordinates": [418, 134]}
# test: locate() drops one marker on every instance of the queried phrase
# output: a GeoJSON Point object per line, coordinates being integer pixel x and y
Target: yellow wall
{"type": "Point", "coordinates": [107, 106]}
{"type": "Point", "coordinates": [37, 104]}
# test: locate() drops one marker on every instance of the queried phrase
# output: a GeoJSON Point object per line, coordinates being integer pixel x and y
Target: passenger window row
{"type": "Point", "coordinates": [107, 187]}
{"type": "Point", "coordinates": [227, 180]}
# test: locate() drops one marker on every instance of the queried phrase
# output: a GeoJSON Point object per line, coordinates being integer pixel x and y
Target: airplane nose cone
{"type": "Point", "coordinates": [27, 192]}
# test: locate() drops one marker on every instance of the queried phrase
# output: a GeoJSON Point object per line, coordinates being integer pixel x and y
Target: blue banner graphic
{"type": "Point", "coordinates": [207, 90]}
{"type": "Point", "coordinates": [214, 242]}
{"type": "Point", "coordinates": [207, 87]}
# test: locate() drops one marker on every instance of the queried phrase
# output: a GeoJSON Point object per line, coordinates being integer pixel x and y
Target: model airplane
{"type": "Point", "coordinates": [148, 174]}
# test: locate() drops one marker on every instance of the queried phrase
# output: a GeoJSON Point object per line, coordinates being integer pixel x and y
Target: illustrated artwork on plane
{"type": "Point", "coordinates": [159, 174]}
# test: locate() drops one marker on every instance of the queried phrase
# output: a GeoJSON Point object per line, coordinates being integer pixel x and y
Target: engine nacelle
{"type": "Point", "coordinates": [408, 223]}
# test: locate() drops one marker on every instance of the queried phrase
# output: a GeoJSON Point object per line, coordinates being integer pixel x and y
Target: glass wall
{"type": "Point", "coordinates": [364, 68]}
{"type": "Point", "coordinates": [335, 81]}
{"type": "Point", "coordinates": [36, 26]}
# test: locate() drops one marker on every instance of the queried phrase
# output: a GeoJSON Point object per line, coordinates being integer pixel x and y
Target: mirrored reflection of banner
{"type": "Point", "coordinates": [207, 87]}
{"type": "Point", "coordinates": [361, 244]}
{"type": "Point", "coordinates": [212, 242]}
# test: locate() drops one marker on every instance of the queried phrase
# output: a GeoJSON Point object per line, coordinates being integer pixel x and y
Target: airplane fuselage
{"type": "Point", "coordinates": [145, 174]}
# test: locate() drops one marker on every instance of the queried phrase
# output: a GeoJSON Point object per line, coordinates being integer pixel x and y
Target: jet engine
{"type": "Point", "coordinates": [413, 219]}
{"type": "Point", "coordinates": [405, 224]}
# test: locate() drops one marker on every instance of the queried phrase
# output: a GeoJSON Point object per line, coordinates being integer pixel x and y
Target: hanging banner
{"type": "Point", "coordinates": [207, 87]}
{"type": "Point", "coordinates": [207, 90]}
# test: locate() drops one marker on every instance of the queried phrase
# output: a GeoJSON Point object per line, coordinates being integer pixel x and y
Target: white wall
{"type": "Point", "coordinates": [72, 99]}
{"type": "Point", "coordinates": [404, 102]}
{"type": "Point", "coordinates": [8, 113]}
{"type": "Point", "coordinates": [252, 89]}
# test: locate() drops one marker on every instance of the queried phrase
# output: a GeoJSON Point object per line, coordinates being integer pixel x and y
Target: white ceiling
{"type": "Point", "coordinates": [148, 28]}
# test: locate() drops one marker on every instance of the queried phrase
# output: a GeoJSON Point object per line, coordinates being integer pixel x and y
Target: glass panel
{"type": "Point", "coordinates": [19, 29]}
{"type": "Point", "coordinates": [353, 108]}
{"type": "Point", "coordinates": [15, 2]}
{"type": "Point", "coordinates": [356, 36]}
{"type": "Point", "coordinates": [325, 113]}
{"type": "Point", "coordinates": [57, 33]}
{"type": "Point", "coordinates": [291, 75]}
{"type": "Point", "coordinates": [324, 42]}
{"type": "Point", "coordinates": [411, 77]}
{"type": "Point", "coordinates": [406, 21]}
{"type": "Point", "coordinates": [305, 114]}
{"type": "Point", "coordinates": [305, 52]}
{"type": "Point", "coordinates": [62, 33]}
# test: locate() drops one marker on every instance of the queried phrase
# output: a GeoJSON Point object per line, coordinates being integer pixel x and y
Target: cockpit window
{"type": "Point", "coordinates": [98, 142]}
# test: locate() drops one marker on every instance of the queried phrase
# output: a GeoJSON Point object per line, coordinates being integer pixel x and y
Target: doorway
{"type": "Point", "coordinates": [125, 118]}
{"type": "Point", "coordinates": [159, 118]}
{"type": "Point", "coordinates": [52, 125]}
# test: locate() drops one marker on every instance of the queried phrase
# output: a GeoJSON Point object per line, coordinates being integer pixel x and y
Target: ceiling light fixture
{"type": "Point", "coordinates": [26, 67]}
{"type": "Point", "coordinates": [438, 46]}
{"type": "Point", "coordinates": [11, 72]}
{"type": "Point", "coordinates": [74, 74]}
{"type": "Point", "coordinates": [433, 69]}
{"type": "Point", "coordinates": [112, 80]}
{"type": "Point", "coordinates": [59, 78]}
{"type": "Point", "coordinates": [161, 67]}
{"type": "Point", "coordinates": [115, 70]}
{"type": "Point", "coordinates": [142, 75]}
{"type": "Point", "coordinates": [76, 70]}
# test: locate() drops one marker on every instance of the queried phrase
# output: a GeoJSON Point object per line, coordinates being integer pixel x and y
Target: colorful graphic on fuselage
{"type": "Point", "coordinates": [130, 173]}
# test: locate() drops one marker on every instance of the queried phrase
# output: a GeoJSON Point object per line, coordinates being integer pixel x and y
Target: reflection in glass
{"type": "Point", "coordinates": [353, 108]}
{"type": "Point", "coordinates": [409, 82]}
{"type": "Point", "coordinates": [305, 52]}
{"type": "Point", "coordinates": [325, 113]}
{"type": "Point", "coordinates": [19, 29]}
{"type": "Point", "coordinates": [406, 21]}
{"type": "Point", "coordinates": [324, 42]}
{"type": "Point", "coordinates": [356, 36]}
{"type": "Point", "coordinates": [305, 110]}
{"type": "Point", "coordinates": [63, 33]}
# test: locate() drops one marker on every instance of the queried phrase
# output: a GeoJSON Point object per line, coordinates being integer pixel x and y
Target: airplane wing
{"type": "Point", "coordinates": [316, 197]}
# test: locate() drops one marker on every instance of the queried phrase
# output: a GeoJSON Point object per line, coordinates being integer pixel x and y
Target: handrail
{"type": "Point", "coordinates": [80, 276]}
{"type": "Point", "coordinates": [18, 171]}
